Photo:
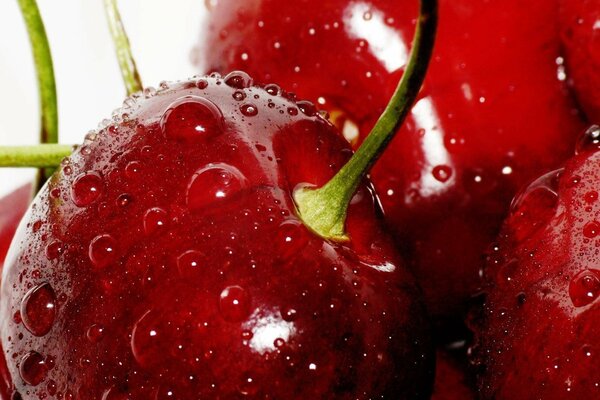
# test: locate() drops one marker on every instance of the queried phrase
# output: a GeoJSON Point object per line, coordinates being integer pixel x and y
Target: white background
{"type": "Point", "coordinates": [162, 35]}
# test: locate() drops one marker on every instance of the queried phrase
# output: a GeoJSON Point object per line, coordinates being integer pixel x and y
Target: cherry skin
{"type": "Point", "coordinates": [12, 209]}
{"type": "Point", "coordinates": [185, 273]}
{"type": "Point", "coordinates": [492, 113]}
{"type": "Point", "coordinates": [539, 335]}
{"type": "Point", "coordinates": [581, 40]}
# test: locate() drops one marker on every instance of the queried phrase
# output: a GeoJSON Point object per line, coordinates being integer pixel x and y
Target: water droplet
{"type": "Point", "coordinates": [202, 84]}
{"type": "Point", "coordinates": [307, 108]}
{"type": "Point", "coordinates": [147, 339]}
{"type": "Point", "coordinates": [544, 188]}
{"type": "Point", "coordinates": [95, 333]}
{"type": "Point", "coordinates": [124, 200]}
{"type": "Point", "coordinates": [442, 173]}
{"type": "Point", "coordinates": [292, 111]}
{"type": "Point", "coordinates": [54, 249]}
{"type": "Point", "coordinates": [289, 314]}
{"type": "Point", "coordinates": [591, 229]}
{"type": "Point", "coordinates": [33, 368]}
{"type": "Point", "coordinates": [133, 170]}
{"type": "Point", "coordinates": [191, 264]}
{"type": "Point", "coordinates": [249, 110]}
{"type": "Point", "coordinates": [590, 140]}
{"type": "Point", "coordinates": [234, 303]}
{"type": "Point", "coordinates": [38, 309]}
{"type": "Point", "coordinates": [273, 89]}
{"type": "Point", "coordinates": [585, 287]}
{"type": "Point", "coordinates": [102, 250]}
{"type": "Point", "coordinates": [86, 188]}
{"type": "Point", "coordinates": [155, 220]}
{"type": "Point", "coordinates": [591, 196]}
{"type": "Point", "coordinates": [292, 238]}
{"type": "Point", "coordinates": [248, 385]}
{"type": "Point", "coordinates": [213, 183]}
{"type": "Point", "coordinates": [238, 80]}
{"type": "Point", "coordinates": [239, 95]}
{"type": "Point", "coordinates": [192, 117]}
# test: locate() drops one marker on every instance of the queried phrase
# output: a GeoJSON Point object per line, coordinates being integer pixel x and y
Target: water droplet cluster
{"type": "Point", "coordinates": [166, 261]}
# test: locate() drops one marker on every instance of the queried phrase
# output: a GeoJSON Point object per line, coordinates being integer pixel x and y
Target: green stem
{"type": "Point", "coordinates": [131, 77]}
{"type": "Point", "coordinates": [42, 58]}
{"type": "Point", "coordinates": [324, 209]}
{"type": "Point", "coordinates": [37, 156]}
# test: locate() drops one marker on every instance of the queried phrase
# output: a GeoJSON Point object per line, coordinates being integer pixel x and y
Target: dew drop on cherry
{"type": "Point", "coordinates": [147, 340]}
{"type": "Point", "coordinates": [585, 287]}
{"type": "Point", "coordinates": [192, 117]}
{"type": "Point", "coordinates": [38, 309]}
{"type": "Point", "coordinates": [234, 303]}
{"type": "Point", "coordinates": [54, 249]}
{"type": "Point", "coordinates": [33, 368]}
{"type": "Point", "coordinates": [307, 107]}
{"type": "Point", "coordinates": [95, 333]}
{"type": "Point", "coordinates": [249, 110]}
{"type": "Point", "coordinates": [273, 89]}
{"type": "Point", "coordinates": [102, 250]}
{"type": "Point", "coordinates": [191, 264]}
{"type": "Point", "coordinates": [86, 188]}
{"type": "Point", "coordinates": [213, 183]}
{"type": "Point", "coordinates": [238, 80]}
{"type": "Point", "coordinates": [591, 196]}
{"type": "Point", "coordinates": [591, 229]}
{"type": "Point", "coordinates": [590, 140]}
{"type": "Point", "coordinates": [248, 385]}
{"type": "Point", "coordinates": [442, 173]}
{"type": "Point", "coordinates": [292, 237]}
{"type": "Point", "coordinates": [155, 220]}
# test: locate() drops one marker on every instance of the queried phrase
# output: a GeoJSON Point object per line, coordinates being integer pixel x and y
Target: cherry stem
{"type": "Point", "coordinates": [129, 72]}
{"type": "Point", "coordinates": [42, 58]}
{"type": "Point", "coordinates": [37, 156]}
{"type": "Point", "coordinates": [324, 210]}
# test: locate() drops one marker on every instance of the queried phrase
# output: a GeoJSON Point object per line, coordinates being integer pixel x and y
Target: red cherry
{"type": "Point", "coordinates": [539, 335]}
{"type": "Point", "coordinates": [491, 116]}
{"type": "Point", "coordinates": [206, 283]}
{"type": "Point", "coordinates": [12, 209]}
{"type": "Point", "coordinates": [580, 33]}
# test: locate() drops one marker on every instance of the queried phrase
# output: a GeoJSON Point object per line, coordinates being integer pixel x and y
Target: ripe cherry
{"type": "Point", "coordinates": [196, 278]}
{"type": "Point", "coordinates": [492, 114]}
{"type": "Point", "coordinates": [581, 40]}
{"type": "Point", "coordinates": [539, 335]}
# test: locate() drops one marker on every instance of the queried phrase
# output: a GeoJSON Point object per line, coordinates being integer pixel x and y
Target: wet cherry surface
{"type": "Point", "coordinates": [184, 272]}
{"type": "Point", "coordinates": [12, 209]}
{"type": "Point", "coordinates": [493, 114]}
{"type": "Point", "coordinates": [580, 32]}
{"type": "Point", "coordinates": [539, 335]}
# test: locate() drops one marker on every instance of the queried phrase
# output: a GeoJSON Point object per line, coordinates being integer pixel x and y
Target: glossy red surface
{"type": "Point", "coordinates": [12, 209]}
{"type": "Point", "coordinates": [165, 261]}
{"type": "Point", "coordinates": [539, 335]}
{"type": "Point", "coordinates": [492, 114]}
{"type": "Point", "coordinates": [581, 39]}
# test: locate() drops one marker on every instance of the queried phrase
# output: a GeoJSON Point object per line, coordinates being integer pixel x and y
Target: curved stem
{"type": "Point", "coordinates": [37, 156]}
{"type": "Point", "coordinates": [324, 210]}
{"type": "Point", "coordinates": [42, 58]}
{"type": "Point", "coordinates": [129, 72]}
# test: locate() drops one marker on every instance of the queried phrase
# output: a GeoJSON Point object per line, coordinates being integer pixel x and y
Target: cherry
{"type": "Point", "coordinates": [581, 40]}
{"type": "Point", "coordinates": [205, 283]}
{"type": "Point", "coordinates": [12, 209]}
{"type": "Point", "coordinates": [538, 335]}
{"type": "Point", "coordinates": [491, 116]}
